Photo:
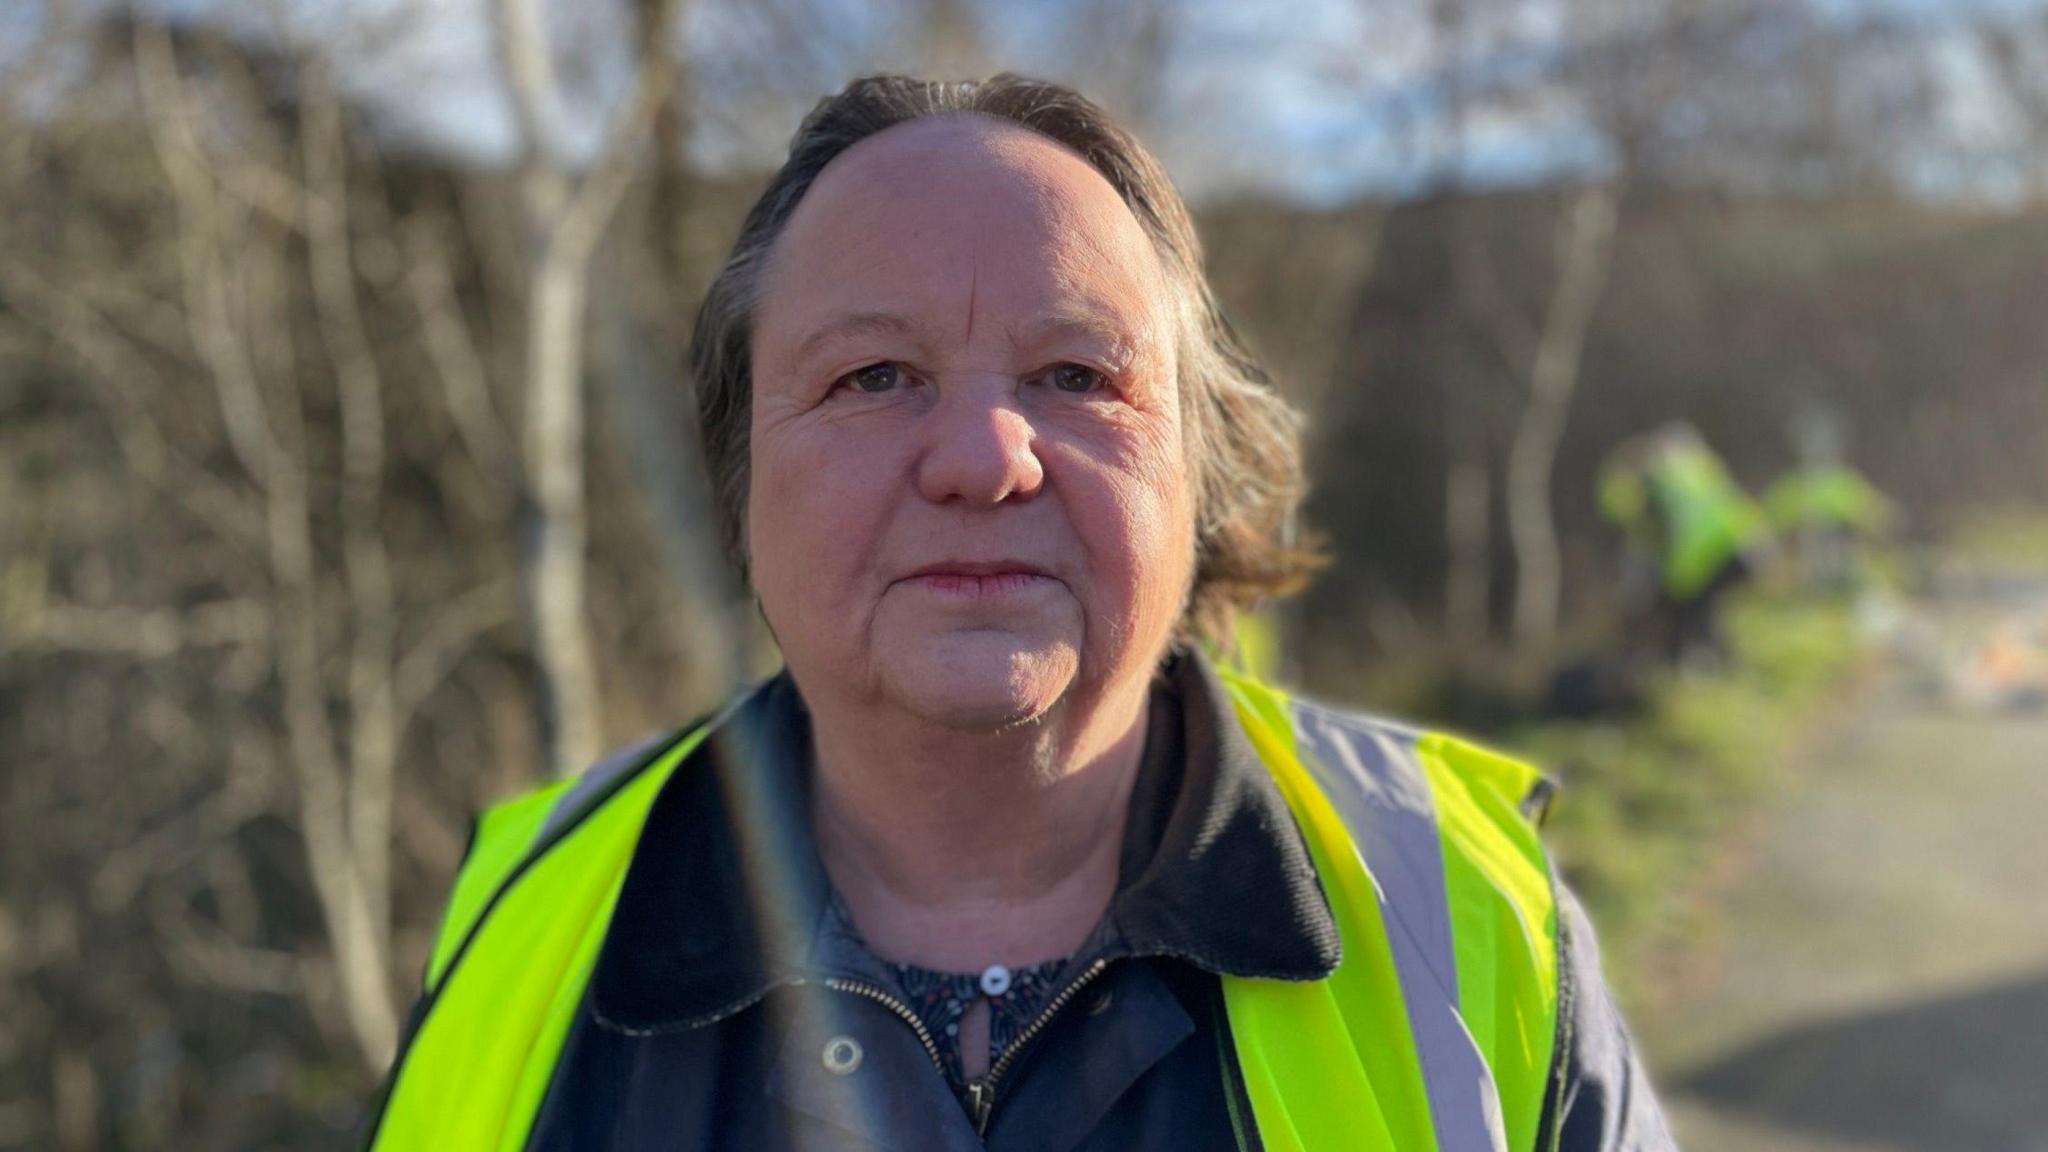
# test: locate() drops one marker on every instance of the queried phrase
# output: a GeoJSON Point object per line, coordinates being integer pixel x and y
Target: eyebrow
{"type": "Point", "coordinates": [1084, 322]}
{"type": "Point", "coordinates": [856, 324]}
{"type": "Point", "coordinates": [1087, 323]}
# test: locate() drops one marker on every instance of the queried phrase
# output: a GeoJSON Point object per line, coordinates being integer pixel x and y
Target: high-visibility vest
{"type": "Point", "coordinates": [1828, 496]}
{"type": "Point", "coordinates": [1703, 517]}
{"type": "Point", "coordinates": [1437, 1030]}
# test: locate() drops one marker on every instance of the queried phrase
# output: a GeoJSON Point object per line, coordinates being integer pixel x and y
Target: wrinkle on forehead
{"type": "Point", "coordinates": [1005, 174]}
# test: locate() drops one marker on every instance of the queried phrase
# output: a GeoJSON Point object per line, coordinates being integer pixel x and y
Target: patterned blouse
{"type": "Point", "coordinates": [1015, 997]}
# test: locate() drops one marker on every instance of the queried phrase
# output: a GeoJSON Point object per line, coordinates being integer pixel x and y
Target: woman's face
{"type": "Point", "coordinates": [968, 498]}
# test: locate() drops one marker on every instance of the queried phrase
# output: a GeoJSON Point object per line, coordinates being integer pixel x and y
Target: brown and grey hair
{"type": "Point", "coordinates": [1243, 441]}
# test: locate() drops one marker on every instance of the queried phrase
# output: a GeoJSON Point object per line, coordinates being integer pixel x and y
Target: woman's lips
{"type": "Point", "coordinates": [977, 582]}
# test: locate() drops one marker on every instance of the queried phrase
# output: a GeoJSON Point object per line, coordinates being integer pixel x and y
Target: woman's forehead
{"type": "Point", "coordinates": [960, 213]}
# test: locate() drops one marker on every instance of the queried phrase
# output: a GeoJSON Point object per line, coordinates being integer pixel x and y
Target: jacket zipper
{"type": "Point", "coordinates": [924, 1036]}
{"type": "Point", "coordinates": [981, 1091]}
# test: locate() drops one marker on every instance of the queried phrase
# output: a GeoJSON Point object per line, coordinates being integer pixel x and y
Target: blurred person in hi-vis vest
{"type": "Point", "coordinates": [1691, 537]}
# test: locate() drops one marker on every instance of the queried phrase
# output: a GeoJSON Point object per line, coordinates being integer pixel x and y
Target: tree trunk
{"type": "Point", "coordinates": [565, 219]}
{"type": "Point", "coordinates": [554, 467]}
{"type": "Point", "coordinates": [1584, 245]}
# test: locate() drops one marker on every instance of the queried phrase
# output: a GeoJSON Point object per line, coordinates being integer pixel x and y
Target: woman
{"type": "Point", "coordinates": [1002, 860]}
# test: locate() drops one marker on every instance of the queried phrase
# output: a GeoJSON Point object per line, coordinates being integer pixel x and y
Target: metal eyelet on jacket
{"type": "Point", "coordinates": [842, 1055]}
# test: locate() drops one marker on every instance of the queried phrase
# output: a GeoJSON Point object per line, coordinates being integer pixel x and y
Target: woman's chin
{"type": "Point", "coordinates": [982, 680]}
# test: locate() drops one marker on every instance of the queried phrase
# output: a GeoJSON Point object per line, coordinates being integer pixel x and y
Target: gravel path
{"type": "Point", "coordinates": [1881, 977]}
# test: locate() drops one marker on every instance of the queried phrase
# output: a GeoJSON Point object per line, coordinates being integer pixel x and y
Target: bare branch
{"type": "Point", "coordinates": [373, 736]}
{"type": "Point", "coordinates": [522, 42]}
{"type": "Point", "coordinates": [173, 845]}
{"type": "Point", "coordinates": [207, 313]}
{"type": "Point", "coordinates": [145, 633]}
{"type": "Point", "coordinates": [120, 376]}
{"type": "Point", "coordinates": [598, 196]}
{"type": "Point", "coordinates": [210, 959]}
{"type": "Point", "coordinates": [465, 384]}
{"type": "Point", "coordinates": [435, 655]}
{"type": "Point", "coordinates": [356, 921]}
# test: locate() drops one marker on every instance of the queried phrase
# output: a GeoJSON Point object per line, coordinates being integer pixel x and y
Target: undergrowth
{"type": "Point", "coordinates": [1646, 800]}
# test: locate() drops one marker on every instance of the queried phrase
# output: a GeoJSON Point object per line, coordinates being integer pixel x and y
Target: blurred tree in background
{"type": "Point", "coordinates": [347, 471]}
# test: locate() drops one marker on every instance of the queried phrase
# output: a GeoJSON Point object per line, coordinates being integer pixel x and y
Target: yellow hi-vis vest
{"type": "Point", "coordinates": [1437, 1030]}
{"type": "Point", "coordinates": [1703, 517]}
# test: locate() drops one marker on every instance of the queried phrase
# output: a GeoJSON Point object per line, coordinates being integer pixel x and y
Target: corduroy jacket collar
{"type": "Point", "coordinates": [725, 897]}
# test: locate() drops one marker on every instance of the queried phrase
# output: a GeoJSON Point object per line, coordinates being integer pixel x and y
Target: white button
{"type": "Point", "coordinates": [995, 980]}
{"type": "Point", "coordinates": [842, 1055]}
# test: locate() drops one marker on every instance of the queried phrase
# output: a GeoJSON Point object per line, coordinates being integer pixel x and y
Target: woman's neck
{"type": "Point", "coordinates": [956, 850]}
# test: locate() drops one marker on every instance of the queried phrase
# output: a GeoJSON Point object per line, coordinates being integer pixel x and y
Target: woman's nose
{"type": "Point", "coordinates": [981, 448]}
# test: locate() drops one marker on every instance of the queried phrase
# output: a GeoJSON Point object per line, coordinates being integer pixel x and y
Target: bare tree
{"type": "Point", "coordinates": [344, 814]}
{"type": "Point", "coordinates": [249, 223]}
{"type": "Point", "coordinates": [565, 216]}
{"type": "Point", "coordinates": [1585, 239]}
{"type": "Point", "coordinates": [1544, 355]}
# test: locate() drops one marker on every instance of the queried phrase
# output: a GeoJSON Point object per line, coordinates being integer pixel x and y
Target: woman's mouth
{"type": "Point", "coordinates": [979, 581]}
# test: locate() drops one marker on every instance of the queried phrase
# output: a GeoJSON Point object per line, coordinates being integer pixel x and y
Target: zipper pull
{"type": "Point", "coordinates": [981, 1100]}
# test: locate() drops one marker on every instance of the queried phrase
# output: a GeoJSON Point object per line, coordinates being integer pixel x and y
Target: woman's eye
{"type": "Point", "coordinates": [875, 377]}
{"type": "Point", "coordinates": [1076, 378]}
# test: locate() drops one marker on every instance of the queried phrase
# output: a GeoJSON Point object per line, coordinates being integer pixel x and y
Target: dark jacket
{"type": "Point", "coordinates": [729, 1010]}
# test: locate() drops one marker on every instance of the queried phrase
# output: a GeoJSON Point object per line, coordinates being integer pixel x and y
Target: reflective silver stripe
{"type": "Point", "coordinates": [600, 778]}
{"type": "Point", "coordinates": [1370, 775]}
{"type": "Point", "coordinates": [595, 781]}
